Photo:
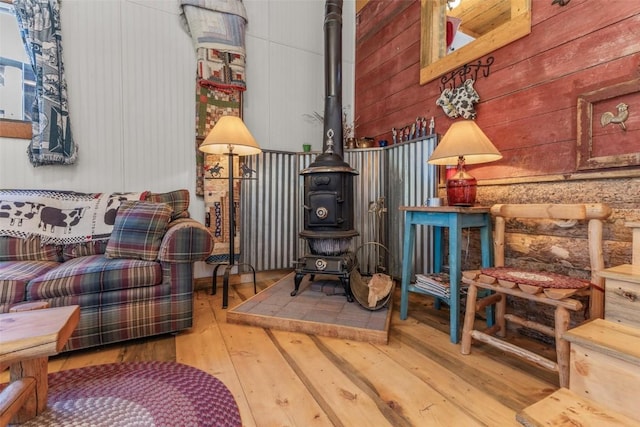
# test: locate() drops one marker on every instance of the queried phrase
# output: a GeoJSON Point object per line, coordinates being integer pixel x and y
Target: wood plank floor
{"type": "Point", "coordinates": [292, 379]}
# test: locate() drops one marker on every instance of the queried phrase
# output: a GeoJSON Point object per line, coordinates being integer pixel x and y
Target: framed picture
{"type": "Point", "coordinates": [608, 127]}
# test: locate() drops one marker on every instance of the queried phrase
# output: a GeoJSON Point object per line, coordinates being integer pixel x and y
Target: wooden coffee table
{"type": "Point", "coordinates": [27, 339]}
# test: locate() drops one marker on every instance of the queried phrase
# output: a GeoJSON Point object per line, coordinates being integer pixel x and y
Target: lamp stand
{"type": "Point", "coordinates": [232, 211]}
{"type": "Point", "coordinates": [232, 231]}
{"type": "Point", "coordinates": [461, 187]}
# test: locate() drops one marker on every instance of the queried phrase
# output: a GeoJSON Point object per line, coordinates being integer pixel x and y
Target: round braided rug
{"type": "Point", "coordinates": [137, 394]}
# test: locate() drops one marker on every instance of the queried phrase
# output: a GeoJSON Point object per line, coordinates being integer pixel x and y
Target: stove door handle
{"type": "Point", "coordinates": [322, 212]}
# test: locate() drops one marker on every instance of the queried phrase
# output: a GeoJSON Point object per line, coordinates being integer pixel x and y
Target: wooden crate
{"type": "Point", "coordinates": [622, 294]}
{"type": "Point", "coordinates": [605, 365]}
{"type": "Point", "coordinates": [565, 408]}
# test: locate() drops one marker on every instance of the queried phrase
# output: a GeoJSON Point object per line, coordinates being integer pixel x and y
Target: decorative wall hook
{"type": "Point", "coordinates": [621, 116]}
{"type": "Point", "coordinates": [460, 75]}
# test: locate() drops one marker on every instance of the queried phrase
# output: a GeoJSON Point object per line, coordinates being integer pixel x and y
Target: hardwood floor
{"type": "Point", "coordinates": [292, 379]}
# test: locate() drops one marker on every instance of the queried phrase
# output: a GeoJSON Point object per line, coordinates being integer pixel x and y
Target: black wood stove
{"type": "Point", "coordinates": [328, 181]}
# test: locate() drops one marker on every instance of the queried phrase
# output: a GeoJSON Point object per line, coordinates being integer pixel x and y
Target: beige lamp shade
{"type": "Point", "coordinates": [230, 135]}
{"type": "Point", "coordinates": [464, 139]}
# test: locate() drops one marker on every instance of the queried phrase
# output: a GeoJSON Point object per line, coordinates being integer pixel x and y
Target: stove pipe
{"type": "Point", "coordinates": [328, 181]}
{"type": "Point", "coordinates": [333, 75]}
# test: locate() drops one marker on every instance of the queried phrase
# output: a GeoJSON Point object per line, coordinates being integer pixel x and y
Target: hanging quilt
{"type": "Point", "coordinates": [217, 29]}
{"type": "Point", "coordinates": [211, 104]}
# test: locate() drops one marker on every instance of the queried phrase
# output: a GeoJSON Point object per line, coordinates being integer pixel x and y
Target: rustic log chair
{"type": "Point", "coordinates": [558, 298]}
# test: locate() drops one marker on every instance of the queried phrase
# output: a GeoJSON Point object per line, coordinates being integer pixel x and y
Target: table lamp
{"type": "Point", "coordinates": [464, 143]}
{"type": "Point", "coordinates": [230, 137]}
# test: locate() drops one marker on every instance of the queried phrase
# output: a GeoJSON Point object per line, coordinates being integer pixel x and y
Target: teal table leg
{"type": "Point", "coordinates": [437, 259]}
{"type": "Point", "coordinates": [407, 257]}
{"type": "Point", "coordinates": [455, 269]}
{"type": "Point", "coordinates": [487, 261]}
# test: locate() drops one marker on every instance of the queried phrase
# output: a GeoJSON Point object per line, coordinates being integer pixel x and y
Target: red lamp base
{"type": "Point", "coordinates": [461, 189]}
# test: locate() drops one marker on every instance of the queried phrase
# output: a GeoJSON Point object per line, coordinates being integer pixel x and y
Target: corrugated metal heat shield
{"type": "Point", "coordinates": [272, 213]}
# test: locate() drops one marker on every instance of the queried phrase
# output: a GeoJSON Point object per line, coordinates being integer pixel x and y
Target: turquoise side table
{"type": "Point", "coordinates": [455, 219]}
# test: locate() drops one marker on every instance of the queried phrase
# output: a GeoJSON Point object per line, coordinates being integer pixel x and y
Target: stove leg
{"type": "Point", "coordinates": [297, 281]}
{"type": "Point", "coordinates": [347, 288]}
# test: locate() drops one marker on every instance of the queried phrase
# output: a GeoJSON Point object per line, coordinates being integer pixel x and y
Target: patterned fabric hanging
{"type": "Point", "coordinates": [39, 24]}
{"type": "Point", "coordinates": [211, 104]}
{"type": "Point", "coordinates": [217, 28]}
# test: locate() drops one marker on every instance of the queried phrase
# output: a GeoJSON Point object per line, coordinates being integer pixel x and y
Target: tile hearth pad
{"type": "Point", "coordinates": [319, 308]}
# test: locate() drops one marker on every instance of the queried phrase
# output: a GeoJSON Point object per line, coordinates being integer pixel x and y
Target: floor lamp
{"type": "Point", "coordinates": [230, 137]}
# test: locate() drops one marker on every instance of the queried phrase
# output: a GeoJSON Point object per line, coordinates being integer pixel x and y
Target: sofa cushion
{"type": "Point", "coordinates": [178, 200]}
{"type": "Point", "coordinates": [76, 250]}
{"type": "Point", "coordinates": [14, 276]}
{"type": "Point", "coordinates": [30, 249]}
{"type": "Point", "coordinates": [138, 230]}
{"type": "Point", "coordinates": [93, 274]}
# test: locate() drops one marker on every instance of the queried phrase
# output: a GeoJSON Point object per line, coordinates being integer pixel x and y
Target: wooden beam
{"type": "Point", "coordinates": [15, 128]}
{"type": "Point", "coordinates": [552, 211]}
{"type": "Point", "coordinates": [14, 396]}
{"type": "Point", "coordinates": [530, 324]}
{"type": "Point", "coordinates": [487, 301]}
{"type": "Point", "coordinates": [510, 348]}
{"type": "Point", "coordinates": [577, 176]}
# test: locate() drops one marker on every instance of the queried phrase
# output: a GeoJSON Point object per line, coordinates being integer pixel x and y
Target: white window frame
{"type": "Point", "coordinates": [13, 56]}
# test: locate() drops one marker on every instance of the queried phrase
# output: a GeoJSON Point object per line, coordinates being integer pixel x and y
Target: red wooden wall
{"type": "Point", "coordinates": [527, 103]}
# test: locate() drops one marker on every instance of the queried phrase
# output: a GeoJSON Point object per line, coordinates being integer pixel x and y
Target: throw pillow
{"type": "Point", "coordinates": [138, 230]}
{"type": "Point", "coordinates": [178, 200]}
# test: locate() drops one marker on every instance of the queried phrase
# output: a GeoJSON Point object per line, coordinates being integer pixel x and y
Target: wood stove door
{"type": "Point", "coordinates": [323, 210]}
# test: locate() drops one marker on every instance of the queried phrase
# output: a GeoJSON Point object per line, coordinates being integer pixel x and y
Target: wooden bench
{"type": "Point", "coordinates": [561, 303]}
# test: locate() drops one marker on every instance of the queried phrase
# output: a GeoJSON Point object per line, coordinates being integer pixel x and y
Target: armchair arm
{"type": "Point", "coordinates": [185, 241]}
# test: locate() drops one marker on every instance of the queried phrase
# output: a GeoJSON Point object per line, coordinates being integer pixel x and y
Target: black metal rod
{"type": "Point", "coordinates": [232, 223]}
{"type": "Point", "coordinates": [333, 74]}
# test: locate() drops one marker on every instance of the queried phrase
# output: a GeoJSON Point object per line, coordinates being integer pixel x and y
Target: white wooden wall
{"type": "Point", "coordinates": [131, 82]}
{"type": "Point", "coordinates": [130, 75]}
{"type": "Point", "coordinates": [285, 70]}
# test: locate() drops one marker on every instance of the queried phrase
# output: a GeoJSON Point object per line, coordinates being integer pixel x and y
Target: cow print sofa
{"type": "Point", "coordinates": [125, 258]}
